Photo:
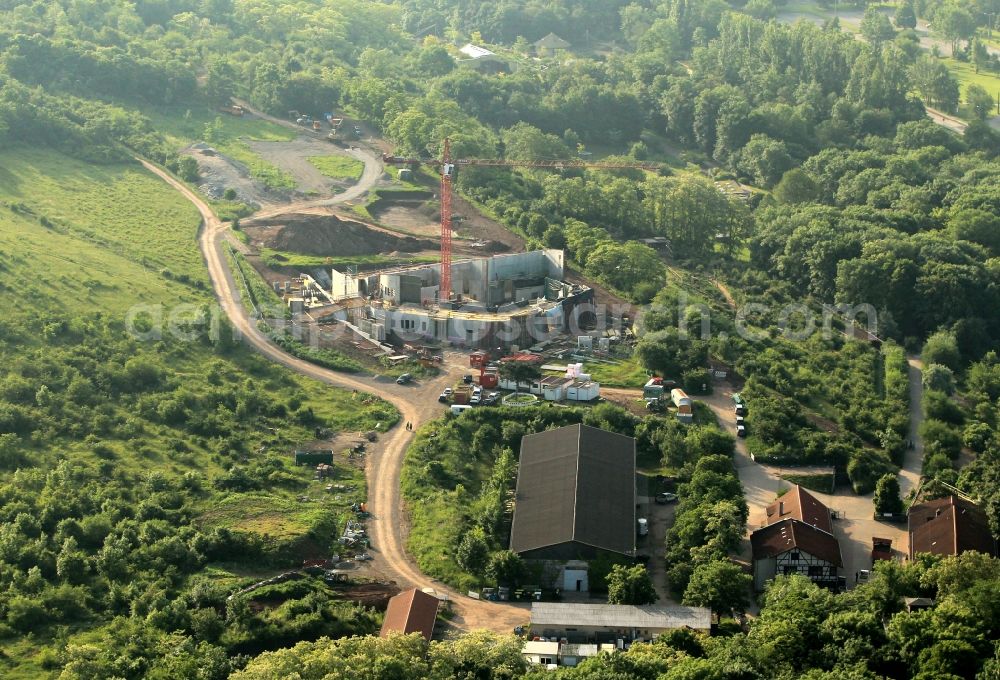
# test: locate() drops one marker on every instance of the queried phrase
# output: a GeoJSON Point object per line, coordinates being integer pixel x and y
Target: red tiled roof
{"type": "Point", "coordinates": [949, 526]}
{"type": "Point", "coordinates": [799, 504]}
{"type": "Point", "coordinates": [412, 611]}
{"type": "Point", "coordinates": [791, 534]}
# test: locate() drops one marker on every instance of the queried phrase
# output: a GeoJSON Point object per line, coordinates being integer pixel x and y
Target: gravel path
{"type": "Point", "coordinates": [417, 403]}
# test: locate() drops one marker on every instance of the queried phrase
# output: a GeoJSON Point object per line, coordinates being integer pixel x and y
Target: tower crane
{"type": "Point", "coordinates": [448, 165]}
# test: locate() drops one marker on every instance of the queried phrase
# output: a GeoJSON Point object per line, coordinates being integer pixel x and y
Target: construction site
{"type": "Point", "coordinates": [504, 301]}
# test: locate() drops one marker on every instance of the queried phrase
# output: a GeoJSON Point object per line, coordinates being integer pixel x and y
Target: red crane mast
{"type": "Point", "coordinates": [448, 166]}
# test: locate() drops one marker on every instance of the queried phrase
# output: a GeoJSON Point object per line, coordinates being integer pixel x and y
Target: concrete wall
{"type": "Point", "coordinates": [343, 285]}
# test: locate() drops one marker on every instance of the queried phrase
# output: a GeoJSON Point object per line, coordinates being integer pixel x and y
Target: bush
{"type": "Point", "coordinates": [866, 467]}
{"type": "Point", "coordinates": [938, 406]}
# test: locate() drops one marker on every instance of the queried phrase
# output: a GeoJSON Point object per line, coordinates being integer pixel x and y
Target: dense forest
{"type": "Point", "coordinates": [125, 467]}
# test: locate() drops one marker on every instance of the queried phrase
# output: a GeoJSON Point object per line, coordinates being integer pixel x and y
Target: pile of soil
{"type": "Point", "coordinates": [374, 595]}
{"type": "Point", "coordinates": [328, 235]}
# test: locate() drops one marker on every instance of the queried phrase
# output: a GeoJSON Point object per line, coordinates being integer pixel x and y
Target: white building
{"type": "Point", "coordinates": [597, 622]}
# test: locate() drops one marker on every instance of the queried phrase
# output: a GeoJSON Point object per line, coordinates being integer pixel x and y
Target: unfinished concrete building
{"type": "Point", "coordinates": [506, 301]}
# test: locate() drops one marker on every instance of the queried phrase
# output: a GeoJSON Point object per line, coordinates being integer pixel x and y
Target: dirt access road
{"type": "Point", "coordinates": [369, 178]}
{"type": "Point", "coordinates": [416, 404]}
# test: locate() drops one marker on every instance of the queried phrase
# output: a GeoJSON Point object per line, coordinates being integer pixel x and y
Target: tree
{"type": "Point", "coordinates": [766, 160]}
{"type": "Point", "coordinates": [942, 348]}
{"type": "Point", "coordinates": [887, 498]}
{"type": "Point", "coordinates": [796, 186]}
{"type": "Point", "coordinates": [625, 266]}
{"type": "Point", "coordinates": [473, 550]}
{"type": "Point", "coordinates": [875, 27]}
{"type": "Point", "coordinates": [939, 378]}
{"type": "Point", "coordinates": [979, 101]}
{"type": "Point", "coordinates": [187, 168]}
{"type": "Point", "coordinates": [935, 83]}
{"type": "Point", "coordinates": [978, 226]}
{"type": "Point", "coordinates": [524, 142]}
{"type": "Point", "coordinates": [506, 568]}
{"type": "Point", "coordinates": [719, 585]}
{"type": "Point", "coordinates": [630, 585]}
{"type": "Point", "coordinates": [954, 23]}
{"type": "Point", "coordinates": [905, 16]}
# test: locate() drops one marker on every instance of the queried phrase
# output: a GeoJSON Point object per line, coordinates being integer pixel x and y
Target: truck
{"type": "Point", "coordinates": [881, 549]}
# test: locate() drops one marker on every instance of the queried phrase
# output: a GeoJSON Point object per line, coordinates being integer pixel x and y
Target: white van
{"type": "Point", "coordinates": [459, 409]}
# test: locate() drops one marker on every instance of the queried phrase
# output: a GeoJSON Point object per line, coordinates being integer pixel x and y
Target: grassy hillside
{"type": "Point", "coordinates": [83, 237]}
{"type": "Point", "coordinates": [132, 466]}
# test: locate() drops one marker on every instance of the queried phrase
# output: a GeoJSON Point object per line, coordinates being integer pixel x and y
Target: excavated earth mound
{"type": "Point", "coordinates": [328, 235]}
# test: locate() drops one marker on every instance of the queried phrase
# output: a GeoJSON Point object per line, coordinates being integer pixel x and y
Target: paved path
{"type": "Point", "coordinates": [416, 404]}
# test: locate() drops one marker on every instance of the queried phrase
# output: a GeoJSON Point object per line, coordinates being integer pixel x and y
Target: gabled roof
{"type": "Point", "coordinates": [791, 534]}
{"type": "Point", "coordinates": [949, 526]}
{"type": "Point", "coordinates": [799, 504]}
{"type": "Point", "coordinates": [575, 483]}
{"type": "Point", "coordinates": [552, 42]}
{"type": "Point", "coordinates": [412, 611]}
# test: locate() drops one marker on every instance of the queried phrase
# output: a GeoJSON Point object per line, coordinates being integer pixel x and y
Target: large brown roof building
{"type": "Point", "coordinates": [412, 611]}
{"type": "Point", "coordinates": [575, 495]}
{"type": "Point", "coordinates": [949, 526]}
{"type": "Point", "coordinates": [797, 539]}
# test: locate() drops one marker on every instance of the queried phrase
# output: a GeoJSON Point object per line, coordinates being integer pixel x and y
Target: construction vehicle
{"type": "Point", "coordinates": [448, 167]}
{"type": "Point", "coordinates": [232, 110]}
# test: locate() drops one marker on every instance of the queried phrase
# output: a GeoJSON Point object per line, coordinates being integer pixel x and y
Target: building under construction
{"type": "Point", "coordinates": [506, 301]}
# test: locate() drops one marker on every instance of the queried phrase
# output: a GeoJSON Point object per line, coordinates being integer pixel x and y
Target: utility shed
{"type": "Point", "coordinates": [612, 621]}
{"type": "Point", "coordinates": [575, 495]}
{"type": "Point", "coordinates": [412, 611]}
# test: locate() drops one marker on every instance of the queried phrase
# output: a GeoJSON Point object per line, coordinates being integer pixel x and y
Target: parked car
{"type": "Point", "coordinates": [445, 397]}
{"type": "Point", "coordinates": [476, 400]}
{"type": "Point", "coordinates": [404, 379]}
{"type": "Point", "coordinates": [740, 420]}
{"type": "Point", "coordinates": [478, 389]}
{"type": "Point", "coordinates": [665, 497]}
{"type": "Point", "coordinates": [643, 526]}
{"type": "Point", "coordinates": [741, 430]}
{"type": "Point", "coordinates": [740, 410]}
{"type": "Point", "coordinates": [467, 379]}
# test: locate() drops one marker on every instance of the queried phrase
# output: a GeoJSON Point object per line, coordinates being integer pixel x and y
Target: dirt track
{"type": "Point", "coordinates": [416, 404]}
